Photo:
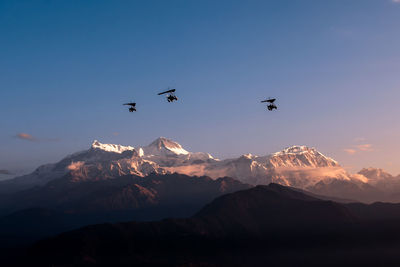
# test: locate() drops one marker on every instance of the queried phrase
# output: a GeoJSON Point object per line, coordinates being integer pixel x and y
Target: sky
{"type": "Point", "coordinates": [66, 68]}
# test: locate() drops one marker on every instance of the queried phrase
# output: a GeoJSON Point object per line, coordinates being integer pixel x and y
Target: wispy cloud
{"type": "Point", "coordinates": [350, 151]}
{"type": "Point", "coordinates": [31, 138]}
{"type": "Point", "coordinates": [358, 149]}
{"type": "Point", "coordinates": [396, 1]}
{"type": "Point", "coordinates": [25, 136]}
{"type": "Point", "coordinates": [359, 139]}
{"type": "Point", "coordinates": [365, 147]}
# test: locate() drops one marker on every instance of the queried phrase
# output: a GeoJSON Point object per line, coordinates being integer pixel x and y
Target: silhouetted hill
{"type": "Point", "coordinates": [262, 208]}
{"type": "Point", "coordinates": [63, 205]}
{"type": "Point", "coordinates": [122, 193]}
{"type": "Point", "coordinates": [274, 218]}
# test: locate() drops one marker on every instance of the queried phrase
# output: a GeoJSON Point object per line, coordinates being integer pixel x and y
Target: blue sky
{"type": "Point", "coordinates": [67, 66]}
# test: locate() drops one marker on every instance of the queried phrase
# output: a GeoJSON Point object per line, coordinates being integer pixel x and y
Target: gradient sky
{"type": "Point", "coordinates": [334, 66]}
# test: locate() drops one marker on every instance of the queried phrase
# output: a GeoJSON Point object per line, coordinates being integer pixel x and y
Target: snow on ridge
{"type": "Point", "coordinates": [163, 143]}
{"type": "Point", "coordinates": [295, 150]}
{"type": "Point", "coordinates": [179, 151]}
{"type": "Point", "coordinates": [248, 156]}
{"type": "Point", "coordinates": [111, 147]}
{"type": "Point", "coordinates": [299, 150]}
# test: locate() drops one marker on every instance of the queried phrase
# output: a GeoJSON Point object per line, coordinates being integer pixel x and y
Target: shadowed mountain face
{"type": "Point", "coordinates": [262, 225]}
{"type": "Point", "coordinates": [63, 205]}
{"type": "Point", "coordinates": [122, 193]}
{"type": "Point", "coordinates": [263, 208]}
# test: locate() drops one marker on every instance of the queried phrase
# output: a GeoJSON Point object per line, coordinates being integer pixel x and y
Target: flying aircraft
{"type": "Point", "coordinates": [171, 97]}
{"type": "Point", "coordinates": [271, 105]}
{"type": "Point", "coordinates": [133, 106]}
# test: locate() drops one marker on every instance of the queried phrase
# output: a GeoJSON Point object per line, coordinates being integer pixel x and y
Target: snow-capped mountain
{"type": "Point", "coordinates": [296, 166]}
{"type": "Point", "coordinates": [382, 180]}
{"type": "Point", "coordinates": [168, 153]}
{"type": "Point", "coordinates": [164, 147]}
{"type": "Point", "coordinates": [375, 175]}
{"type": "Point", "coordinates": [105, 161]}
{"type": "Point", "coordinates": [300, 156]}
{"type": "Point", "coordinates": [111, 147]}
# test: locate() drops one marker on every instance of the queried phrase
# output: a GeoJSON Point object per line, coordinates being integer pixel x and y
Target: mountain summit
{"type": "Point", "coordinates": [301, 156]}
{"type": "Point", "coordinates": [111, 147]}
{"type": "Point", "coordinates": [163, 147]}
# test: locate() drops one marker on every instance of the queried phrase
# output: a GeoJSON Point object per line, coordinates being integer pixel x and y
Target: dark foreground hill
{"type": "Point", "coordinates": [62, 204]}
{"type": "Point", "coordinates": [265, 225]}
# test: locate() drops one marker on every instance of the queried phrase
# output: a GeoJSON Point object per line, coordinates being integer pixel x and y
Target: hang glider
{"type": "Point", "coordinates": [171, 97]}
{"type": "Point", "coordinates": [269, 100]}
{"type": "Point", "coordinates": [168, 91]}
{"type": "Point", "coordinates": [271, 105]}
{"type": "Point", "coordinates": [133, 106]}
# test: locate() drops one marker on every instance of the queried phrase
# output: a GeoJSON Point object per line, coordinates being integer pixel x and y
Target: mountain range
{"type": "Point", "coordinates": [161, 199]}
{"type": "Point", "coordinates": [297, 166]}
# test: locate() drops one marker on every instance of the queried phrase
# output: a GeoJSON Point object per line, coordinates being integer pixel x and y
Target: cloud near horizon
{"type": "Point", "coordinates": [359, 148]}
{"type": "Point", "coordinates": [29, 137]}
{"type": "Point", "coordinates": [350, 151]}
{"type": "Point", "coordinates": [25, 136]}
{"type": "Point", "coordinates": [365, 147]}
{"type": "Point", "coordinates": [359, 139]}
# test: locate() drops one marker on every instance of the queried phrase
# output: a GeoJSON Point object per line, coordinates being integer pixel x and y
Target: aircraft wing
{"type": "Point", "coordinates": [130, 104]}
{"type": "Point", "coordinates": [169, 91]}
{"type": "Point", "coordinates": [269, 101]}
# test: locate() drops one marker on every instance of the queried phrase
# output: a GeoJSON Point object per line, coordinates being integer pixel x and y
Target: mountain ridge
{"type": "Point", "coordinates": [296, 166]}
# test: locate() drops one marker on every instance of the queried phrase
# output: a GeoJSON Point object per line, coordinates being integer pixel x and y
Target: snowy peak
{"type": "Point", "coordinates": [111, 147]}
{"type": "Point", "coordinates": [164, 146]}
{"type": "Point", "coordinates": [374, 174]}
{"type": "Point", "coordinates": [248, 156]}
{"type": "Point", "coordinates": [296, 150]}
{"type": "Point", "coordinates": [301, 156]}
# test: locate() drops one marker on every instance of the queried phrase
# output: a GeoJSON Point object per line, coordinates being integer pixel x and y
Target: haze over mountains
{"type": "Point", "coordinates": [297, 166]}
